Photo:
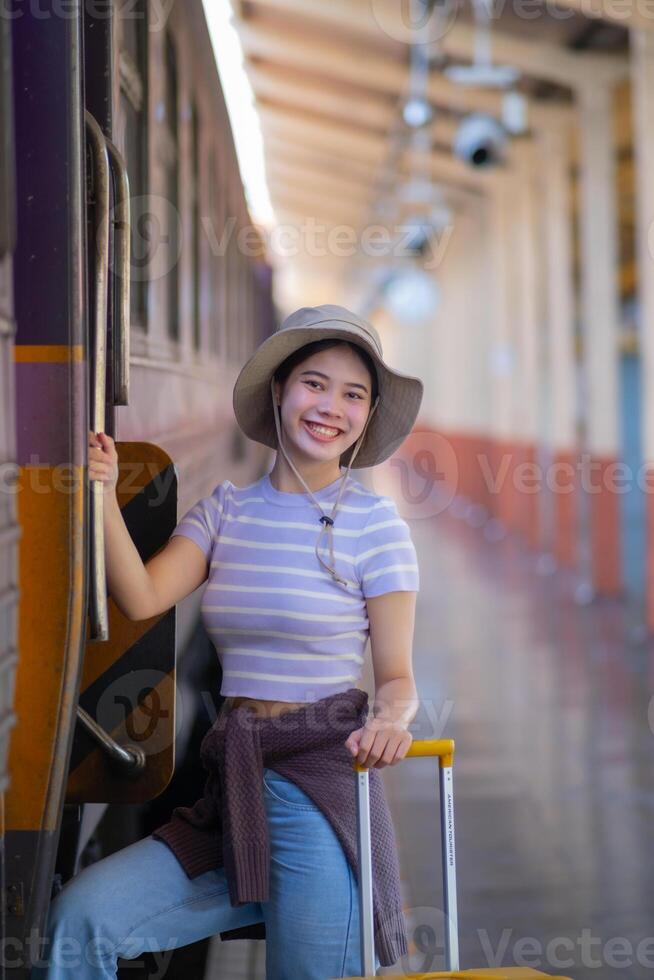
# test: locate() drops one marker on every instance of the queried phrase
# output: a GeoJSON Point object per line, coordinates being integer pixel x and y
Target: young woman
{"type": "Point", "coordinates": [302, 567]}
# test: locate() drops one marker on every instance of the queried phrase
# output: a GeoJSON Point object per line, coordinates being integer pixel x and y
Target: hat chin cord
{"type": "Point", "coordinates": [326, 520]}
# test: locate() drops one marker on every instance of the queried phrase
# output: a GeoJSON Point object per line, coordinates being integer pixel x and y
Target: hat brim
{"type": "Point", "coordinates": [399, 402]}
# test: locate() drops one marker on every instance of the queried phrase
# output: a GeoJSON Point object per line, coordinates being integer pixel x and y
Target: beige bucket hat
{"type": "Point", "coordinates": [389, 421]}
{"type": "Point", "coordinates": [400, 395]}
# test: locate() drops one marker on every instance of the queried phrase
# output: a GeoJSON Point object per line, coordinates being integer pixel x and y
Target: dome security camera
{"type": "Point", "coordinates": [480, 141]}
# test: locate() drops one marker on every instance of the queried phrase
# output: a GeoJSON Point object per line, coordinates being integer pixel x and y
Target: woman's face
{"type": "Point", "coordinates": [325, 403]}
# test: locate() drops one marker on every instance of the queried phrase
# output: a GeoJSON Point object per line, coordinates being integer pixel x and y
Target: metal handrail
{"type": "Point", "coordinates": [121, 273]}
{"type": "Point", "coordinates": [98, 611]}
{"type": "Point", "coordinates": [130, 758]}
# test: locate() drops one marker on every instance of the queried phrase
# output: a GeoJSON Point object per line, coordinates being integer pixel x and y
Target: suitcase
{"type": "Point", "coordinates": [443, 749]}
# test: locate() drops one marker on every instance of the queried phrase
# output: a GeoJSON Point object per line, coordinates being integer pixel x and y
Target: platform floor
{"type": "Point", "coordinates": [550, 703]}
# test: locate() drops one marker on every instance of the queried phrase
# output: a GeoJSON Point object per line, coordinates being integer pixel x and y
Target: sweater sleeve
{"type": "Point", "coordinates": [386, 556]}
{"type": "Point", "coordinates": [201, 523]}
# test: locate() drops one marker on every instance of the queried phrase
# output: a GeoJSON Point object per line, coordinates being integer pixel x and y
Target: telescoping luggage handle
{"type": "Point", "coordinates": [443, 749]}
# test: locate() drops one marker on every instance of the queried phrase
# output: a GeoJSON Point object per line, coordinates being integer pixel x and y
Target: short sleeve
{"type": "Point", "coordinates": [386, 556]}
{"type": "Point", "coordinates": [201, 523]}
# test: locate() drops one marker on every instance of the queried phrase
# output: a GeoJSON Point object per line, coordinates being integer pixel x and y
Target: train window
{"type": "Point", "coordinates": [171, 164]}
{"type": "Point", "coordinates": [196, 227]}
{"type": "Point", "coordinates": [134, 111]}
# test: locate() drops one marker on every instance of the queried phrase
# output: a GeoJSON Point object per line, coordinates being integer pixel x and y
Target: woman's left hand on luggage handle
{"type": "Point", "coordinates": [379, 743]}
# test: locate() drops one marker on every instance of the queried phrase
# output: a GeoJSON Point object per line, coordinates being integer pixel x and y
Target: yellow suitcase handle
{"type": "Point", "coordinates": [443, 748]}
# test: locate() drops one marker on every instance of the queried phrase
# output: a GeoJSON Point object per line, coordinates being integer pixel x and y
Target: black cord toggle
{"type": "Point", "coordinates": [325, 519]}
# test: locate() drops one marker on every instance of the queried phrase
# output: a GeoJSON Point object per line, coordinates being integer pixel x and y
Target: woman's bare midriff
{"type": "Point", "coordinates": [268, 709]}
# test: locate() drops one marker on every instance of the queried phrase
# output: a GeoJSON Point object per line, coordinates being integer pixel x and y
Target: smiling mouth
{"type": "Point", "coordinates": [322, 431]}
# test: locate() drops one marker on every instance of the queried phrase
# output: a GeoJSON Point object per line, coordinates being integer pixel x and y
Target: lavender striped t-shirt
{"type": "Point", "coordinates": [283, 629]}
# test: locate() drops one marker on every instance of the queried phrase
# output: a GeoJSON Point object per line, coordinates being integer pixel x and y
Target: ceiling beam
{"type": "Point", "coordinates": [367, 147]}
{"type": "Point", "coordinates": [319, 178]}
{"type": "Point", "coordinates": [288, 211]}
{"type": "Point", "coordinates": [346, 63]}
{"type": "Point", "coordinates": [625, 13]}
{"type": "Point", "coordinates": [352, 109]}
{"type": "Point", "coordinates": [449, 170]}
{"type": "Point", "coordinates": [297, 212]}
{"type": "Point", "coordinates": [364, 147]}
{"type": "Point", "coordinates": [371, 112]}
{"type": "Point", "coordinates": [537, 59]}
{"type": "Point", "coordinates": [317, 181]}
{"type": "Point", "coordinates": [386, 19]}
{"type": "Point", "coordinates": [319, 184]}
{"type": "Point", "coordinates": [354, 246]}
{"type": "Point", "coordinates": [285, 147]}
{"type": "Point", "coordinates": [326, 260]}
{"type": "Point", "coordinates": [284, 144]}
{"type": "Point", "coordinates": [329, 182]}
{"type": "Point", "coordinates": [314, 204]}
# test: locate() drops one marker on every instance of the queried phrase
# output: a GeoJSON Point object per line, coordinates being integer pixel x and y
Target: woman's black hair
{"type": "Point", "coordinates": [285, 368]}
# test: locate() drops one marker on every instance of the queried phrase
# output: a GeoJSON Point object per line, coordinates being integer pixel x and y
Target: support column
{"type": "Point", "coordinates": [599, 234]}
{"type": "Point", "coordinates": [642, 46]}
{"type": "Point", "coordinates": [560, 372]}
{"type": "Point", "coordinates": [502, 354]}
{"type": "Point", "coordinates": [528, 319]}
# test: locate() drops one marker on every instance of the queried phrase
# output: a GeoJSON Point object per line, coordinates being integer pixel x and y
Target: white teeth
{"type": "Point", "coordinates": [321, 429]}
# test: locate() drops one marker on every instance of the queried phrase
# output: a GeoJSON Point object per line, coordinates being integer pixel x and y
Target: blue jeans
{"type": "Point", "coordinates": [140, 899]}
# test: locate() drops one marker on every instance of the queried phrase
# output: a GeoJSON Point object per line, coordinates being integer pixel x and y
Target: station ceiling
{"type": "Point", "coordinates": [330, 78]}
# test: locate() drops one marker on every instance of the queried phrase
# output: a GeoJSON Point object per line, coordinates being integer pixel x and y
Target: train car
{"type": "Point", "coordinates": [9, 529]}
{"type": "Point", "coordinates": [128, 303]}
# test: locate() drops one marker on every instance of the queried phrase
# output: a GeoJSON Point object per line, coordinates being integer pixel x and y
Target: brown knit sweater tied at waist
{"type": "Point", "coordinates": [227, 826]}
